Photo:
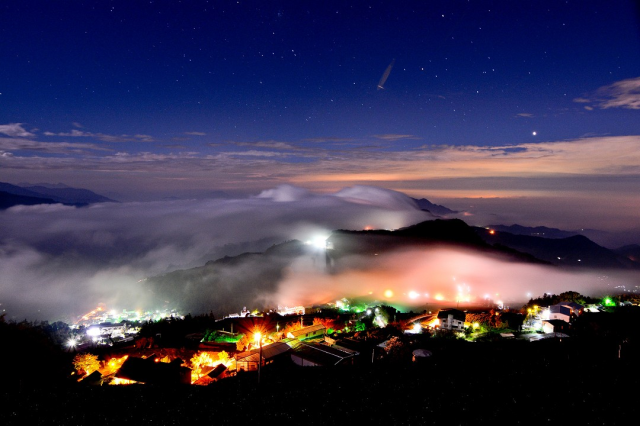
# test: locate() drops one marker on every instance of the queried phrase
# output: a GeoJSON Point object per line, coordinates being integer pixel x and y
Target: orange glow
{"type": "Point", "coordinates": [117, 381]}
{"type": "Point", "coordinates": [434, 323]}
{"type": "Point", "coordinates": [491, 231]}
{"type": "Point", "coordinates": [439, 297]}
{"type": "Point", "coordinates": [388, 293]}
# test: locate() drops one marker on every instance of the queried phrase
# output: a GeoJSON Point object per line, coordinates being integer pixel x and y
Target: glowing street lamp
{"type": "Point", "coordinates": [258, 338]}
{"type": "Point", "coordinates": [71, 343]}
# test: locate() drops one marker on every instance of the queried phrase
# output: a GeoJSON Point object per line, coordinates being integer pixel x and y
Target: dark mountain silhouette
{"type": "Point", "coordinates": [537, 231]}
{"type": "Point", "coordinates": [435, 209]}
{"type": "Point", "coordinates": [631, 252]}
{"type": "Point", "coordinates": [230, 283]}
{"type": "Point", "coordinates": [576, 251]}
{"type": "Point", "coordinates": [58, 193]}
{"type": "Point", "coordinates": [434, 233]}
{"type": "Point", "coordinates": [70, 195]}
{"type": "Point", "coordinates": [603, 238]}
{"type": "Point", "coordinates": [9, 200]}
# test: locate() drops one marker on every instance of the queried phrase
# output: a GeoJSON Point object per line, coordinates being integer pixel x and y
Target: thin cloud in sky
{"type": "Point", "coordinates": [621, 94]}
{"type": "Point", "coordinates": [14, 129]}
{"type": "Point", "coordinates": [195, 133]}
{"type": "Point", "coordinates": [395, 137]}
{"type": "Point", "coordinates": [328, 139]}
{"type": "Point", "coordinates": [595, 155]}
{"type": "Point", "coordinates": [14, 144]}
{"type": "Point", "coordinates": [103, 137]}
{"type": "Point", "coordinates": [268, 144]}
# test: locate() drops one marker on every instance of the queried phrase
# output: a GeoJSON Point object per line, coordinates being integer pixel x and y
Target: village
{"type": "Point", "coordinates": [179, 350]}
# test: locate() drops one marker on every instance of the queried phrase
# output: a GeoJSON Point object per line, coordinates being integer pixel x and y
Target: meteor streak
{"type": "Point", "coordinates": [385, 75]}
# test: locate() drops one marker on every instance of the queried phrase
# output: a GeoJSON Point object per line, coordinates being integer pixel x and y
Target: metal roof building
{"type": "Point", "coordinates": [317, 355]}
{"type": "Point", "coordinates": [249, 360]}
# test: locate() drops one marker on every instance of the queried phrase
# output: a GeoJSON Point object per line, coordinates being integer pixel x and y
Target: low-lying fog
{"type": "Point", "coordinates": [58, 262]}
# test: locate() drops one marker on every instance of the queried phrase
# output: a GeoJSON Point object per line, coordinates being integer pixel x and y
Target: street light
{"type": "Point", "coordinates": [71, 343]}
{"type": "Point", "coordinates": [258, 337]}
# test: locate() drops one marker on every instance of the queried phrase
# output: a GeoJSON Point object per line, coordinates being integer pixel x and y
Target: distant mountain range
{"type": "Point", "coordinates": [435, 209]}
{"type": "Point", "coordinates": [224, 284]}
{"type": "Point", "coordinates": [575, 251]}
{"type": "Point", "coordinates": [12, 195]}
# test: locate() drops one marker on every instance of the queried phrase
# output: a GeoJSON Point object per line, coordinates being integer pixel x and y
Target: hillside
{"type": "Point", "coordinates": [9, 200]}
{"type": "Point", "coordinates": [434, 233]}
{"type": "Point", "coordinates": [230, 283]}
{"type": "Point", "coordinates": [576, 251]}
{"type": "Point", "coordinates": [13, 195]}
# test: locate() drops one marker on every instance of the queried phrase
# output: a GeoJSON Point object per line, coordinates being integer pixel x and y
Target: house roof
{"type": "Point", "coordinates": [310, 329]}
{"type": "Point", "coordinates": [560, 309]}
{"type": "Point", "coordinates": [268, 352]}
{"type": "Point", "coordinates": [149, 371]}
{"type": "Point", "coordinates": [345, 350]}
{"type": "Point", "coordinates": [291, 342]}
{"type": "Point", "coordinates": [321, 354]}
{"type": "Point", "coordinates": [457, 314]}
{"type": "Point", "coordinates": [572, 305]}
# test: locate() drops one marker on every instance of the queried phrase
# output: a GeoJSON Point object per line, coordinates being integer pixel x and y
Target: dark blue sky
{"type": "Point", "coordinates": [509, 111]}
{"type": "Point", "coordinates": [228, 88]}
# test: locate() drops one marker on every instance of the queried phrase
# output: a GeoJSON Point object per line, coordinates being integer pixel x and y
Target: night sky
{"type": "Point", "coordinates": [251, 123]}
{"type": "Point", "coordinates": [531, 104]}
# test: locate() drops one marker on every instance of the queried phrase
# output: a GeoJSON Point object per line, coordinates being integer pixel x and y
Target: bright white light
{"type": "Point", "coordinates": [93, 332]}
{"type": "Point", "coordinates": [413, 294]}
{"type": "Point", "coordinates": [368, 311]}
{"type": "Point", "coordinates": [319, 241]}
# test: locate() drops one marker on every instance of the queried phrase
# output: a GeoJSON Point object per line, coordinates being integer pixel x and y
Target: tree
{"type": "Point", "coordinates": [396, 349]}
{"type": "Point", "coordinates": [199, 360]}
{"type": "Point", "coordinates": [240, 346]}
{"type": "Point", "coordinates": [86, 363]}
{"type": "Point", "coordinates": [290, 327]}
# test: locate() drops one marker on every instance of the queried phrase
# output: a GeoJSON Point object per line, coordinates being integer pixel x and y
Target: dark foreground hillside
{"type": "Point", "coordinates": [512, 382]}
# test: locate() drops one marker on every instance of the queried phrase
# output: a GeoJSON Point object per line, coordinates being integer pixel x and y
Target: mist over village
{"type": "Point", "coordinates": [312, 213]}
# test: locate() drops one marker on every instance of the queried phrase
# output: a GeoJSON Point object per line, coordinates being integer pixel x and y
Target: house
{"type": "Point", "coordinates": [310, 332]}
{"type": "Point", "coordinates": [576, 308]}
{"type": "Point", "coordinates": [451, 319]}
{"type": "Point", "coordinates": [211, 374]}
{"type": "Point", "coordinates": [555, 326]}
{"type": "Point", "coordinates": [319, 355]}
{"type": "Point", "coordinates": [148, 370]}
{"type": "Point", "coordinates": [248, 361]}
{"type": "Point", "coordinates": [560, 312]}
